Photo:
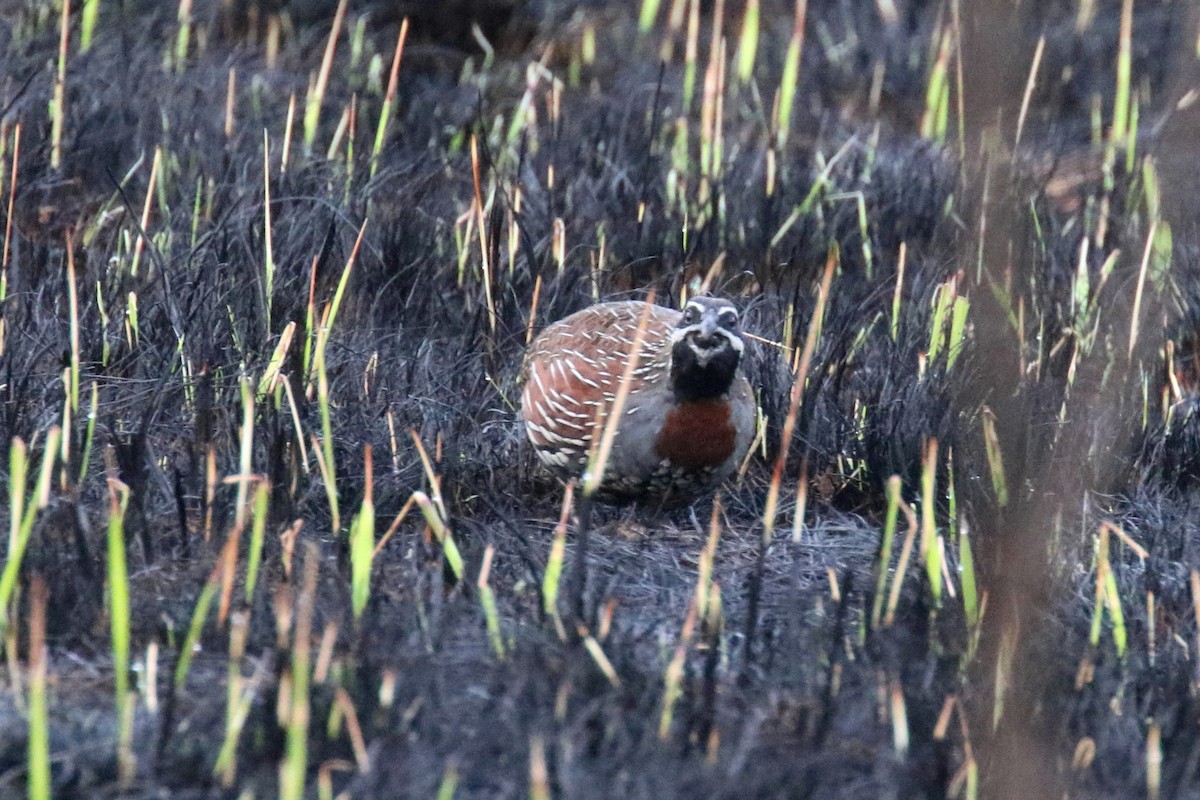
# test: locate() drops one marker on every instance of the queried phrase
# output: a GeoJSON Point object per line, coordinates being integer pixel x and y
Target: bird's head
{"type": "Point", "coordinates": [706, 347]}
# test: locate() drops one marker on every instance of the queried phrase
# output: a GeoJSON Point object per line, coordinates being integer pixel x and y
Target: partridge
{"type": "Point", "coordinates": [689, 416]}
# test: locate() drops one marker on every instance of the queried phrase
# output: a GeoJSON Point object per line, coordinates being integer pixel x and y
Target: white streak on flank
{"type": "Point", "coordinates": [579, 376]}
{"type": "Point", "coordinates": [563, 410]}
{"type": "Point", "coordinates": [564, 424]}
{"type": "Point", "coordinates": [558, 458]}
{"type": "Point", "coordinates": [539, 411]}
{"type": "Point", "coordinates": [535, 438]}
{"type": "Point", "coordinates": [537, 379]}
{"type": "Point", "coordinates": [582, 356]}
{"type": "Point", "coordinates": [546, 421]}
{"type": "Point", "coordinates": [551, 436]}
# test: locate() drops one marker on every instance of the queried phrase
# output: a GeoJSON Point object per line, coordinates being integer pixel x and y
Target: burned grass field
{"type": "Point", "coordinates": [267, 274]}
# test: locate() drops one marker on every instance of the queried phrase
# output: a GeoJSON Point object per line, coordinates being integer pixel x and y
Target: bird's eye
{"type": "Point", "coordinates": [691, 315]}
{"type": "Point", "coordinates": [729, 319]}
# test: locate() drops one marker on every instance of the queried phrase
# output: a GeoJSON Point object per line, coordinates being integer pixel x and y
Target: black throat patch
{"type": "Point", "coordinates": [692, 380]}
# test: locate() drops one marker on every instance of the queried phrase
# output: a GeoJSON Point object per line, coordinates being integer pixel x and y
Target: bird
{"type": "Point", "coordinates": [690, 413]}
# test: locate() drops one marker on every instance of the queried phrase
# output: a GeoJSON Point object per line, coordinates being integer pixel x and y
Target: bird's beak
{"type": "Point", "coordinates": [708, 327]}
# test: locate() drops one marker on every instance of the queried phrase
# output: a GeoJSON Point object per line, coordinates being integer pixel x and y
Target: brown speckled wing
{"type": "Point", "coordinates": [574, 368]}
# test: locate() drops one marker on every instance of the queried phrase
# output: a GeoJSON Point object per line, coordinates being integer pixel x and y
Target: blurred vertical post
{"type": "Point", "coordinates": [1178, 149]}
{"type": "Point", "coordinates": [1018, 759]}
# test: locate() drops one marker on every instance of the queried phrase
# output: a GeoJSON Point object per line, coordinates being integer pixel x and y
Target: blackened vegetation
{"type": "Point", "coordinates": [800, 711]}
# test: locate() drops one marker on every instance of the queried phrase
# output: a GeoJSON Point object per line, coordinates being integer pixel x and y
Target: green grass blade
{"type": "Point", "coordinates": [362, 549]}
{"type": "Point", "coordinates": [199, 615]}
{"type": "Point", "coordinates": [885, 549]}
{"type": "Point", "coordinates": [648, 14]}
{"type": "Point", "coordinates": [22, 513]}
{"type": "Point", "coordinates": [930, 551]}
{"type": "Point", "coordinates": [38, 748]}
{"type": "Point", "coordinates": [258, 526]}
{"type": "Point", "coordinates": [748, 42]}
